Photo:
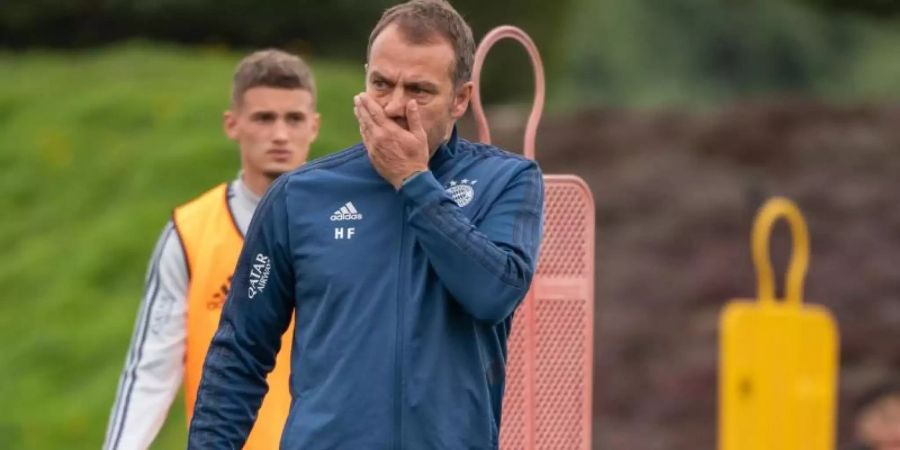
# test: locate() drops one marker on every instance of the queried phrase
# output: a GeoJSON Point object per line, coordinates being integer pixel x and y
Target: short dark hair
{"type": "Point", "coordinates": [421, 20]}
{"type": "Point", "coordinates": [271, 68]}
{"type": "Point", "coordinates": [875, 394]}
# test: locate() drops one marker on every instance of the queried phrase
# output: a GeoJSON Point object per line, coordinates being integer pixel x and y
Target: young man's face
{"type": "Point", "coordinates": [274, 128]}
{"type": "Point", "coordinates": [399, 71]}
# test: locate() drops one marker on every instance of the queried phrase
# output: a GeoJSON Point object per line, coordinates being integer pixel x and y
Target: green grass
{"type": "Point", "coordinates": [95, 149]}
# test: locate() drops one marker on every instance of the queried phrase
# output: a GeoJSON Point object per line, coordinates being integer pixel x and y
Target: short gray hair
{"type": "Point", "coordinates": [421, 20]}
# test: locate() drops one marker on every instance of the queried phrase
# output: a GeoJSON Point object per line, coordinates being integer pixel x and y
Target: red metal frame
{"type": "Point", "coordinates": [547, 404]}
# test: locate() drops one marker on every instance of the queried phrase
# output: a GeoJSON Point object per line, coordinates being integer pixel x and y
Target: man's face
{"type": "Point", "coordinates": [273, 128]}
{"type": "Point", "coordinates": [879, 426]}
{"type": "Point", "coordinates": [399, 71]}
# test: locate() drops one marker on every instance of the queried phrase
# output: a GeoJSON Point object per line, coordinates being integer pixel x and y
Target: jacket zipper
{"type": "Point", "coordinates": [398, 344]}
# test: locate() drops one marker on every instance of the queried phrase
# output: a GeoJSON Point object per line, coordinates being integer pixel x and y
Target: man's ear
{"type": "Point", "coordinates": [316, 123]}
{"type": "Point", "coordinates": [461, 99]}
{"type": "Point", "coordinates": [229, 124]}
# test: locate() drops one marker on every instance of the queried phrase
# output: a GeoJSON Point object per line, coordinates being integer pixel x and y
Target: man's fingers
{"type": "Point", "coordinates": [370, 108]}
{"type": "Point", "coordinates": [365, 120]}
{"type": "Point", "coordinates": [358, 112]}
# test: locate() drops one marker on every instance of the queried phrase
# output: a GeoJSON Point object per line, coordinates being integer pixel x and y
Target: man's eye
{"type": "Point", "coordinates": [420, 92]}
{"type": "Point", "coordinates": [379, 84]}
{"type": "Point", "coordinates": [264, 118]}
{"type": "Point", "coordinates": [295, 119]}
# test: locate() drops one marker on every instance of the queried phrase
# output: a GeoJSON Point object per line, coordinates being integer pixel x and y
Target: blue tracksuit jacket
{"type": "Point", "coordinates": [403, 303]}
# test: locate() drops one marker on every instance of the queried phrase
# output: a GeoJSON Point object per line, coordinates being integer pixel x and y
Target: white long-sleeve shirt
{"type": "Point", "coordinates": [154, 366]}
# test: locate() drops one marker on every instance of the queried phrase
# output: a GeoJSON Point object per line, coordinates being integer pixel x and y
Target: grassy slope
{"type": "Point", "coordinates": [95, 150]}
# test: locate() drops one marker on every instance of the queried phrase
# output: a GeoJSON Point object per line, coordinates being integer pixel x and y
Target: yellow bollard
{"type": "Point", "coordinates": [778, 361]}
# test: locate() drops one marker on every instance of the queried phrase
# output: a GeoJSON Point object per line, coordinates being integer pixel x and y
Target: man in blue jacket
{"type": "Point", "coordinates": [402, 260]}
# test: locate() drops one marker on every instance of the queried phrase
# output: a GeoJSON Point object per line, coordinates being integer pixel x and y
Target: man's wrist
{"type": "Point", "coordinates": [411, 175]}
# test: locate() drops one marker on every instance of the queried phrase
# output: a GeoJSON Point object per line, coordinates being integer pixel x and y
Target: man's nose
{"type": "Point", "coordinates": [280, 131]}
{"type": "Point", "coordinates": [396, 104]}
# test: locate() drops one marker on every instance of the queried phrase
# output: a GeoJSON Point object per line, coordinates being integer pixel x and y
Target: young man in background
{"type": "Point", "coordinates": [272, 118]}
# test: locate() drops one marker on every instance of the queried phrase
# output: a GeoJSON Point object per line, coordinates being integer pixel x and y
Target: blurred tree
{"type": "Point", "coordinates": [507, 73]}
{"type": "Point", "coordinates": [336, 28]}
{"type": "Point", "coordinates": [652, 53]}
{"type": "Point", "coordinates": [324, 26]}
{"type": "Point", "coordinates": [871, 7]}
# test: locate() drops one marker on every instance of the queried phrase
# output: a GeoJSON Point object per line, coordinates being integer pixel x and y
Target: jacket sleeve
{"type": "Point", "coordinates": [255, 316]}
{"type": "Point", "coordinates": [487, 268]}
{"type": "Point", "coordinates": [154, 365]}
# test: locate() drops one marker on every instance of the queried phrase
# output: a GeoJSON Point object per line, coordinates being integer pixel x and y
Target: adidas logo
{"type": "Point", "coordinates": [347, 212]}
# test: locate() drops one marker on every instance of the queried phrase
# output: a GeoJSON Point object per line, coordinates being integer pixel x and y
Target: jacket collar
{"type": "Point", "coordinates": [445, 151]}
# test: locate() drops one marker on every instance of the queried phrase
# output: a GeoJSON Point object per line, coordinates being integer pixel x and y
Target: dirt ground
{"type": "Point", "coordinates": [676, 195]}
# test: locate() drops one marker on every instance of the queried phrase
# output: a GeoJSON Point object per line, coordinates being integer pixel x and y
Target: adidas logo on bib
{"type": "Point", "coordinates": [347, 212]}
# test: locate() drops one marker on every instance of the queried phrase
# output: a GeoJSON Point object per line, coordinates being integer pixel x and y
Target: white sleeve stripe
{"type": "Point", "coordinates": [134, 360]}
{"type": "Point", "coordinates": [132, 372]}
{"type": "Point", "coordinates": [134, 355]}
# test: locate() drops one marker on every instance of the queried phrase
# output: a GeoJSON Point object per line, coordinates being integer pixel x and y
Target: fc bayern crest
{"type": "Point", "coordinates": [462, 192]}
